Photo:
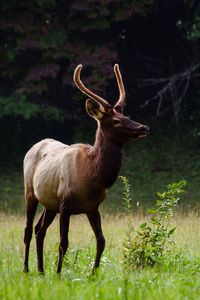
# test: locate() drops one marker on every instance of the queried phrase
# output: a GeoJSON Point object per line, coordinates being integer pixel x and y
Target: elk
{"type": "Point", "coordinates": [73, 179]}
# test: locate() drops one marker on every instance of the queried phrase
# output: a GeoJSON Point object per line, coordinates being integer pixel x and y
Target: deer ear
{"type": "Point", "coordinates": [94, 109]}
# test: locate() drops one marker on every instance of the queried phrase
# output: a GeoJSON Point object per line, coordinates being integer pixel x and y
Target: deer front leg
{"type": "Point", "coordinates": [95, 222]}
{"type": "Point", "coordinates": [64, 229]}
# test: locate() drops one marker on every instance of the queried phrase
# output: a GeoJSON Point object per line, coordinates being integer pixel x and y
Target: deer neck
{"type": "Point", "coordinates": [107, 159]}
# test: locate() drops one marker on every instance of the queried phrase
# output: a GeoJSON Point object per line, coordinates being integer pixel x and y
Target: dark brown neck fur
{"type": "Point", "coordinates": [107, 159]}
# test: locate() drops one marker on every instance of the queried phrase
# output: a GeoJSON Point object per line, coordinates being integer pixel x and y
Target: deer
{"type": "Point", "coordinates": [74, 179]}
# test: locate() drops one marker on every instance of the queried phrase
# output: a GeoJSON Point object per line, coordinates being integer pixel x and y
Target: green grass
{"type": "Point", "coordinates": [177, 277]}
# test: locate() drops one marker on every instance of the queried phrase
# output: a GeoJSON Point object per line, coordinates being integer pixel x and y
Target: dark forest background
{"type": "Point", "coordinates": [157, 45]}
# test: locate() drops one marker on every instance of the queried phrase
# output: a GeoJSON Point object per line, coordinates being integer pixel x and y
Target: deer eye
{"type": "Point", "coordinates": [119, 109]}
{"type": "Point", "coordinates": [116, 122]}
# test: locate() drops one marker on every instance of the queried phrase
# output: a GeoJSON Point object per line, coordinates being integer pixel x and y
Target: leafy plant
{"type": "Point", "coordinates": [126, 193]}
{"type": "Point", "coordinates": [148, 244]}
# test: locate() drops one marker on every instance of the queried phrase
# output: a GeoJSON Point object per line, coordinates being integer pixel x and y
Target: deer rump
{"type": "Point", "coordinates": [55, 172]}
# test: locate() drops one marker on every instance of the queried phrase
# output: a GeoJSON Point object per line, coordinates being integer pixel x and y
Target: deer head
{"type": "Point", "coordinates": [115, 126]}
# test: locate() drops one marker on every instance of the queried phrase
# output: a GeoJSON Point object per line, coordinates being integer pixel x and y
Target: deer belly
{"type": "Point", "coordinates": [45, 184]}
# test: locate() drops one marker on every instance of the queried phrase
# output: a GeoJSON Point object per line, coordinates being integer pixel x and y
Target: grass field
{"type": "Point", "coordinates": [149, 165]}
{"type": "Point", "coordinates": [177, 278]}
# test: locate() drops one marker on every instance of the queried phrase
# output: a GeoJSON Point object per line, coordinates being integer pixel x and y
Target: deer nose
{"type": "Point", "coordinates": [146, 128]}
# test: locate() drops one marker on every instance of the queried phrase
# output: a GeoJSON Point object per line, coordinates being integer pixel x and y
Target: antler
{"type": "Point", "coordinates": [122, 94]}
{"type": "Point", "coordinates": [85, 90]}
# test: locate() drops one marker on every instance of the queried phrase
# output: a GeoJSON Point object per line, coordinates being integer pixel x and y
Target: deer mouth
{"type": "Point", "coordinates": [138, 136]}
{"type": "Point", "coordinates": [141, 133]}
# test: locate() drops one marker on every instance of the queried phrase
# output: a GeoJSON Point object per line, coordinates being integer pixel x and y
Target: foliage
{"type": "Point", "coordinates": [17, 105]}
{"type": "Point", "coordinates": [147, 245]}
{"type": "Point", "coordinates": [127, 199]}
{"type": "Point", "coordinates": [191, 23]}
{"type": "Point", "coordinates": [42, 41]}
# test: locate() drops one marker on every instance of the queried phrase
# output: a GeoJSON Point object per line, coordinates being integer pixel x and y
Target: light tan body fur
{"type": "Point", "coordinates": [53, 170]}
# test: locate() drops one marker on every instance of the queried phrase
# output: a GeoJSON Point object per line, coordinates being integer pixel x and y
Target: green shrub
{"type": "Point", "coordinates": [148, 244]}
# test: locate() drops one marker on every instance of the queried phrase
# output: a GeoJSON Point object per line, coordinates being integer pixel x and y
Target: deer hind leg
{"type": "Point", "coordinates": [45, 220]}
{"type": "Point", "coordinates": [64, 229]}
{"type": "Point", "coordinates": [95, 222]}
{"type": "Point", "coordinates": [39, 223]}
{"type": "Point", "coordinates": [31, 207]}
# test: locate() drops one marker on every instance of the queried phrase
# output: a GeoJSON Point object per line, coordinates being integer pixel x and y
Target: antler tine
{"type": "Point", "coordinates": [122, 94]}
{"type": "Point", "coordinates": [85, 90]}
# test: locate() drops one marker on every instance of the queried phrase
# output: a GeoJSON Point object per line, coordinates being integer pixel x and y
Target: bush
{"type": "Point", "coordinates": [148, 244]}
